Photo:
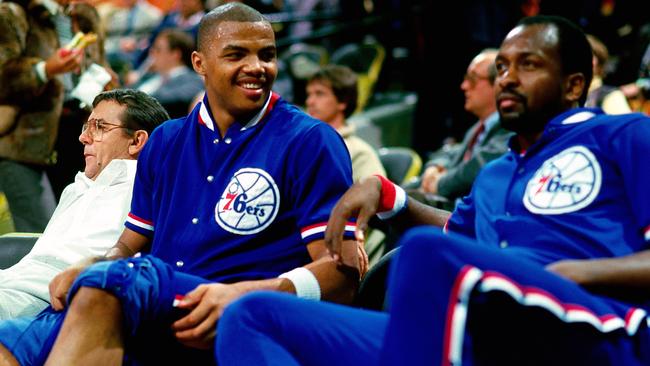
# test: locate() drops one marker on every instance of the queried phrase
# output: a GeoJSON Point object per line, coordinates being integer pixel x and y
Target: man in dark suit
{"type": "Point", "coordinates": [450, 173]}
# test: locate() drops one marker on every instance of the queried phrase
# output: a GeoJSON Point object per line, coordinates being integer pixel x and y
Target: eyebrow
{"type": "Point", "coordinates": [232, 47]}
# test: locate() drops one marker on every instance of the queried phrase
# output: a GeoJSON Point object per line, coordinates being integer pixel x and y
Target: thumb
{"type": "Point", "coordinates": [190, 299]}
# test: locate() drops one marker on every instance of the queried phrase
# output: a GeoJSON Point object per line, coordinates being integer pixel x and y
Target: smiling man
{"type": "Point", "coordinates": [90, 216]}
{"type": "Point", "coordinates": [228, 200]}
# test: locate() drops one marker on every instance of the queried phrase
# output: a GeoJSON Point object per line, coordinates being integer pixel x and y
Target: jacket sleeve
{"type": "Point", "coordinates": [458, 180]}
{"type": "Point", "coordinates": [17, 75]}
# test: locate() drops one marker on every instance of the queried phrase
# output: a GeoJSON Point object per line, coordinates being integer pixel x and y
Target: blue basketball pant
{"type": "Point", "coordinates": [146, 288]}
{"type": "Point", "coordinates": [452, 301]}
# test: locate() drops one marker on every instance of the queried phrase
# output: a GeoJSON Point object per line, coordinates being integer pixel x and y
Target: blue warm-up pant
{"type": "Point", "coordinates": [452, 301]}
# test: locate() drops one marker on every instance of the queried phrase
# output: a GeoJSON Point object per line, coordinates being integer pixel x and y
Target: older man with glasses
{"type": "Point", "coordinates": [450, 173]}
{"type": "Point", "coordinates": [91, 213]}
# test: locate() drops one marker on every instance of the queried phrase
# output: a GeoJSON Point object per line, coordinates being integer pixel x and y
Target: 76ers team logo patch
{"type": "Point", "coordinates": [250, 202]}
{"type": "Point", "coordinates": [567, 182]}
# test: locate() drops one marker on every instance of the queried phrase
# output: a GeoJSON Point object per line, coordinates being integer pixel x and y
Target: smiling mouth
{"type": "Point", "coordinates": [251, 86]}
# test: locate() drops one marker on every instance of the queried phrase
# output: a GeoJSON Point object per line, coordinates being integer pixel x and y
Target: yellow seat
{"type": "Point", "coordinates": [366, 59]}
{"type": "Point", "coordinates": [6, 223]}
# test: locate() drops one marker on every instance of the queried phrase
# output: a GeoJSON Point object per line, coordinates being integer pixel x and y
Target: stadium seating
{"type": "Point", "coordinates": [14, 246]}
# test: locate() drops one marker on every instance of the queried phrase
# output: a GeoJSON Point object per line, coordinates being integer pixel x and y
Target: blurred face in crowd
{"type": "Point", "coordinates": [322, 104]}
{"type": "Point", "coordinates": [478, 90]}
{"type": "Point", "coordinates": [529, 83]}
{"type": "Point", "coordinates": [239, 66]}
{"type": "Point", "coordinates": [163, 58]}
{"type": "Point", "coordinates": [103, 138]}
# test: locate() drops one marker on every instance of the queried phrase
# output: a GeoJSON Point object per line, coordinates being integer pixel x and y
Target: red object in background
{"type": "Point", "coordinates": [63, 52]}
{"type": "Point", "coordinates": [530, 8]}
{"type": "Point", "coordinates": [607, 7]}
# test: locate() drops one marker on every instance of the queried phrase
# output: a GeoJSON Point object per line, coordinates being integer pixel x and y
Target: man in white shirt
{"type": "Point", "coordinates": [91, 212]}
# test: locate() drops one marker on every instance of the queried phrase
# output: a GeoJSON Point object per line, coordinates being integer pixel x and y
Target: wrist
{"type": "Point", "coordinates": [392, 200]}
{"type": "Point", "coordinates": [304, 282]}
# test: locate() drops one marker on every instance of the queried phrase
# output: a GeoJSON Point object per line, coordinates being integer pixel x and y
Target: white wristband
{"type": "Point", "coordinates": [305, 282]}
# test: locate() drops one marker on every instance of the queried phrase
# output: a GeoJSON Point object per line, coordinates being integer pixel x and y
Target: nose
{"type": "Point", "coordinates": [507, 78]}
{"type": "Point", "coordinates": [255, 66]}
{"type": "Point", "coordinates": [309, 100]}
{"type": "Point", "coordinates": [84, 138]}
{"type": "Point", "coordinates": [465, 84]}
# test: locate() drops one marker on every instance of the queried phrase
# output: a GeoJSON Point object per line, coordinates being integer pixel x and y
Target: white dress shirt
{"type": "Point", "coordinates": [87, 222]}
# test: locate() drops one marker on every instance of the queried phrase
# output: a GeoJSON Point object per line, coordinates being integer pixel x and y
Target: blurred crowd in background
{"type": "Point", "coordinates": [410, 57]}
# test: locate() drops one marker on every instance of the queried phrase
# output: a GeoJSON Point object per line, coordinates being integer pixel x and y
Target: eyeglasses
{"type": "Point", "coordinates": [96, 128]}
{"type": "Point", "coordinates": [473, 78]}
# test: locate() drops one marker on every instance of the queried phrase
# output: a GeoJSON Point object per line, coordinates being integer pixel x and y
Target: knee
{"type": "Point", "coordinates": [428, 246]}
{"type": "Point", "coordinates": [89, 300]}
{"type": "Point", "coordinates": [6, 357]}
{"type": "Point", "coordinates": [420, 241]}
{"type": "Point", "coordinates": [246, 311]}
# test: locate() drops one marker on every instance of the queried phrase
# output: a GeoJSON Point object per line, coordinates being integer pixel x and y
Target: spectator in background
{"type": "Point", "coordinates": [451, 173]}
{"type": "Point", "coordinates": [81, 87]}
{"type": "Point", "coordinates": [171, 79]}
{"type": "Point", "coordinates": [31, 96]}
{"type": "Point", "coordinates": [331, 98]}
{"type": "Point", "coordinates": [186, 18]}
{"type": "Point", "coordinates": [90, 216]}
{"type": "Point", "coordinates": [128, 24]}
{"type": "Point", "coordinates": [608, 97]}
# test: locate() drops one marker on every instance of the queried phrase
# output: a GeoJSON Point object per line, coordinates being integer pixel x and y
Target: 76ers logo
{"type": "Point", "coordinates": [250, 202]}
{"type": "Point", "coordinates": [567, 182]}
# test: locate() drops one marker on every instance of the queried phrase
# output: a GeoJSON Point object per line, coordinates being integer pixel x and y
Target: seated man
{"type": "Point", "coordinates": [331, 98]}
{"type": "Point", "coordinates": [451, 173]}
{"type": "Point", "coordinates": [226, 201]}
{"type": "Point", "coordinates": [608, 97]}
{"type": "Point", "coordinates": [90, 215]}
{"type": "Point", "coordinates": [171, 79]}
{"type": "Point", "coordinates": [517, 280]}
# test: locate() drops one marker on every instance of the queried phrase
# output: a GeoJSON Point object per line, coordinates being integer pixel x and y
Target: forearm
{"type": "Point", "coordinates": [418, 214]}
{"type": "Point", "coordinates": [632, 271]}
{"type": "Point", "coordinates": [414, 214]}
{"type": "Point", "coordinates": [127, 245]}
{"type": "Point", "coordinates": [337, 283]}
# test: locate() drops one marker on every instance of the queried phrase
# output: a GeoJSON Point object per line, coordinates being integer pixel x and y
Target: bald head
{"type": "Point", "coordinates": [486, 58]}
{"type": "Point", "coordinates": [230, 12]}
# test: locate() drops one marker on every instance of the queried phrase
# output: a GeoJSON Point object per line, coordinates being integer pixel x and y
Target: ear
{"type": "Point", "coordinates": [574, 87]}
{"type": "Point", "coordinates": [178, 55]}
{"type": "Point", "coordinates": [341, 106]}
{"type": "Point", "coordinates": [140, 137]}
{"type": "Point", "coordinates": [197, 63]}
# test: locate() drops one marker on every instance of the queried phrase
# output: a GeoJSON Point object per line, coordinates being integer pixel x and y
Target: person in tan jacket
{"type": "Point", "coordinates": [331, 98]}
{"type": "Point", "coordinates": [32, 65]}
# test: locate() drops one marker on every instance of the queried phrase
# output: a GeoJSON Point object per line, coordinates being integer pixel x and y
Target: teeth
{"type": "Point", "coordinates": [252, 86]}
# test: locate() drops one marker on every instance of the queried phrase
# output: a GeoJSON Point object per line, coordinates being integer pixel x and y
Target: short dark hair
{"type": "Point", "coordinates": [142, 112]}
{"type": "Point", "coordinates": [343, 82]}
{"type": "Point", "coordinates": [231, 12]}
{"type": "Point", "coordinates": [600, 51]}
{"type": "Point", "coordinates": [573, 47]}
{"type": "Point", "coordinates": [179, 40]}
